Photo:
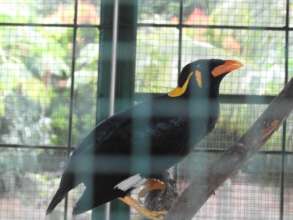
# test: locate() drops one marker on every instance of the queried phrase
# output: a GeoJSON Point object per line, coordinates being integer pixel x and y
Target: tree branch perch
{"type": "Point", "coordinates": [201, 188]}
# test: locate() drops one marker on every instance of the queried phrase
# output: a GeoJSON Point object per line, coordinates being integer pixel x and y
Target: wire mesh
{"type": "Point", "coordinates": [288, 202]}
{"type": "Point", "coordinates": [236, 13]}
{"type": "Point", "coordinates": [289, 138]}
{"type": "Point", "coordinates": [240, 196]}
{"type": "Point", "coordinates": [28, 183]}
{"type": "Point", "coordinates": [89, 12]}
{"type": "Point", "coordinates": [37, 11]}
{"type": "Point", "coordinates": [261, 51]}
{"type": "Point", "coordinates": [161, 11]}
{"type": "Point", "coordinates": [222, 29]}
{"type": "Point", "coordinates": [35, 100]}
{"type": "Point", "coordinates": [35, 66]}
{"type": "Point", "coordinates": [290, 59]}
{"type": "Point", "coordinates": [86, 74]}
{"type": "Point", "coordinates": [156, 59]}
{"type": "Point", "coordinates": [234, 121]}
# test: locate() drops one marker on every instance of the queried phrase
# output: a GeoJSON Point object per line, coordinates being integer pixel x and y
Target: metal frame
{"type": "Point", "coordinates": [239, 99]}
{"type": "Point", "coordinates": [114, 92]}
{"type": "Point", "coordinates": [284, 131]}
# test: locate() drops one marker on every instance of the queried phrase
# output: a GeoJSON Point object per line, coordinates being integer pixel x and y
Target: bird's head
{"type": "Point", "coordinates": [203, 77]}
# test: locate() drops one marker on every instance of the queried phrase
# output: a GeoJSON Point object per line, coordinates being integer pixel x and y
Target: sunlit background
{"type": "Point", "coordinates": [50, 89]}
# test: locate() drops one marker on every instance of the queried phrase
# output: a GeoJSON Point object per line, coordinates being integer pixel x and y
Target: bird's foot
{"type": "Point", "coordinates": [153, 215]}
{"type": "Point", "coordinates": [151, 185]}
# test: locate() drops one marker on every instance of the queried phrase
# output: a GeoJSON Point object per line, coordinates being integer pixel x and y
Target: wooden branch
{"type": "Point", "coordinates": [201, 188]}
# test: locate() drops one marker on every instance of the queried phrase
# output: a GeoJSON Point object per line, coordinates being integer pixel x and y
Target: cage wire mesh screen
{"type": "Point", "coordinates": [49, 53]}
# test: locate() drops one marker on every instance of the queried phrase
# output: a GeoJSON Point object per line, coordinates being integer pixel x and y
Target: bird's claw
{"type": "Point", "coordinates": [156, 215]}
{"type": "Point", "coordinates": [153, 215]}
{"type": "Point", "coordinates": [151, 185]}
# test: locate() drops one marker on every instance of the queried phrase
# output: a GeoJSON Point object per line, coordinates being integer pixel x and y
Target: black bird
{"type": "Point", "coordinates": [132, 148]}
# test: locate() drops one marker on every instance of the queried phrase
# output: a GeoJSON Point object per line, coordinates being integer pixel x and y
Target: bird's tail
{"type": "Point", "coordinates": [59, 195]}
{"type": "Point", "coordinates": [84, 203]}
{"type": "Point", "coordinates": [91, 198]}
{"type": "Point", "coordinates": [68, 181]}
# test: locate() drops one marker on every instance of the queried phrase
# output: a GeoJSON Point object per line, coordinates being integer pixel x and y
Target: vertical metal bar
{"type": "Point", "coordinates": [180, 35]}
{"type": "Point", "coordinates": [113, 78]}
{"type": "Point", "coordinates": [73, 61]}
{"type": "Point", "coordinates": [284, 130]}
{"type": "Point", "coordinates": [287, 41]}
{"type": "Point", "coordinates": [114, 58]}
{"type": "Point", "coordinates": [179, 56]}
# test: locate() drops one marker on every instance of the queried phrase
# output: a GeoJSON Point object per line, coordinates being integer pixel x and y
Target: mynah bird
{"type": "Point", "coordinates": [132, 148]}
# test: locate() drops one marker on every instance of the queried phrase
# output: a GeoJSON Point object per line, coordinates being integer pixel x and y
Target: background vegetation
{"type": "Point", "coordinates": [36, 68]}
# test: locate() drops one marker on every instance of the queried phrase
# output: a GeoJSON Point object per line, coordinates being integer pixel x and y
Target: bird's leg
{"type": "Point", "coordinates": [151, 185]}
{"type": "Point", "coordinates": [153, 215]}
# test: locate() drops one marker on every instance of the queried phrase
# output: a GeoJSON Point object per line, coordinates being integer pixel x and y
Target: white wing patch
{"type": "Point", "coordinates": [131, 182]}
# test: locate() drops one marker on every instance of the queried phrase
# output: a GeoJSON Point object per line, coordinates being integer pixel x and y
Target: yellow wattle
{"type": "Point", "coordinates": [180, 90]}
{"type": "Point", "coordinates": [198, 78]}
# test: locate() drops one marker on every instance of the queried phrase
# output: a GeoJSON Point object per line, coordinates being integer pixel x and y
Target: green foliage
{"type": "Point", "coordinates": [156, 67]}
{"type": "Point", "coordinates": [170, 8]}
{"type": "Point", "coordinates": [165, 8]}
{"type": "Point", "coordinates": [17, 161]}
{"type": "Point", "coordinates": [36, 62]}
{"type": "Point", "coordinates": [30, 54]}
{"type": "Point", "coordinates": [60, 122]}
{"type": "Point", "coordinates": [10, 13]}
{"type": "Point", "coordinates": [83, 115]}
{"type": "Point", "coordinates": [35, 69]}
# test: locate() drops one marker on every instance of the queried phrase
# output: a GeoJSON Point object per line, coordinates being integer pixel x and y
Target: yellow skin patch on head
{"type": "Point", "coordinates": [198, 78]}
{"type": "Point", "coordinates": [179, 91]}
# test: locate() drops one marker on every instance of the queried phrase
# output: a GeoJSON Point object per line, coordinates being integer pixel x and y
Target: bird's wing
{"type": "Point", "coordinates": [118, 138]}
{"type": "Point", "coordinates": [108, 128]}
{"type": "Point", "coordinates": [102, 132]}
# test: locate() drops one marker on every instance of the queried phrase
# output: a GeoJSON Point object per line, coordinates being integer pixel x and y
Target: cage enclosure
{"type": "Point", "coordinates": [56, 84]}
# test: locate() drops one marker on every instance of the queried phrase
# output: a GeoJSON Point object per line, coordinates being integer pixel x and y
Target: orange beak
{"type": "Point", "coordinates": [227, 67]}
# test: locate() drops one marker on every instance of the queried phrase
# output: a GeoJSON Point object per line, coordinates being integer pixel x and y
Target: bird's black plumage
{"type": "Point", "coordinates": [147, 139]}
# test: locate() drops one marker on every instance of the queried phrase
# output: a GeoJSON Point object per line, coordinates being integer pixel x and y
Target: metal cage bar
{"type": "Point", "coordinates": [284, 128]}
{"type": "Point", "coordinates": [70, 117]}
